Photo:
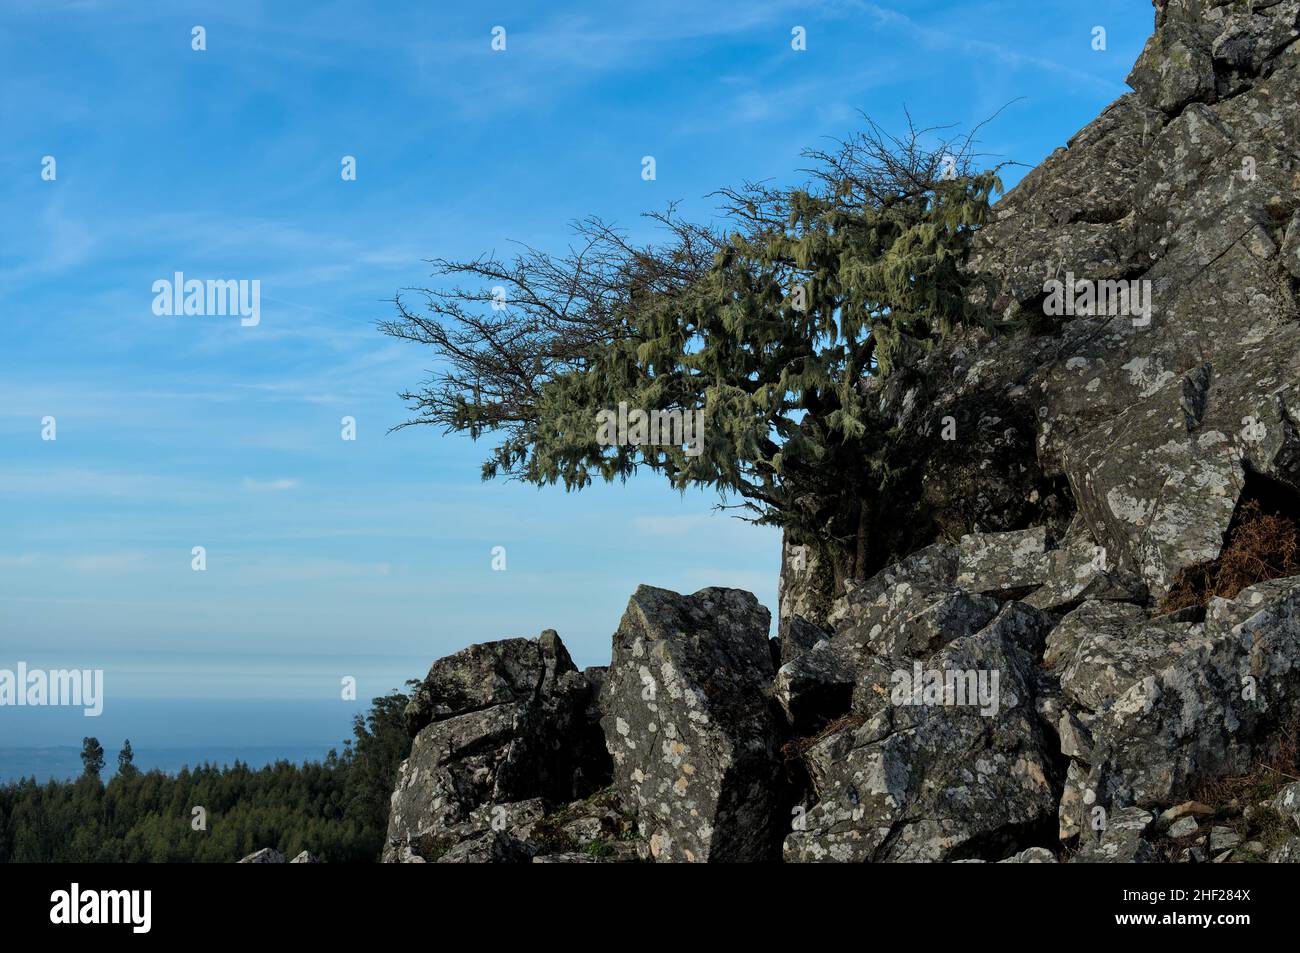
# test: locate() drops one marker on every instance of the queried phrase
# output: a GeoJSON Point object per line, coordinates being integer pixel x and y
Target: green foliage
{"type": "Point", "coordinates": [126, 761]}
{"type": "Point", "coordinates": [92, 757]}
{"type": "Point", "coordinates": [337, 809]}
{"type": "Point", "coordinates": [772, 326]}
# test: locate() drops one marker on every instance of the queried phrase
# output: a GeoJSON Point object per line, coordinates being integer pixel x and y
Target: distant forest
{"type": "Point", "coordinates": [336, 809]}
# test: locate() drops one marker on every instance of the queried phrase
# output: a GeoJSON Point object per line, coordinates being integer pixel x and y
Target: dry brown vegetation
{"type": "Point", "coordinates": [795, 748]}
{"type": "Point", "coordinates": [1269, 776]}
{"type": "Point", "coordinates": [1231, 795]}
{"type": "Point", "coordinates": [1260, 546]}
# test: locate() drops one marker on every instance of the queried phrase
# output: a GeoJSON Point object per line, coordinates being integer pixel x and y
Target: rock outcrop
{"type": "Point", "coordinates": [690, 726]}
{"type": "Point", "coordinates": [1015, 687]}
{"type": "Point", "coordinates": [500, 731]}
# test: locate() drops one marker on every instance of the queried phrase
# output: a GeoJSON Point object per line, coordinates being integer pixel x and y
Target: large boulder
{"type": "Point", "coordinates": [1004, 564]}
{"type": "Point", "coordinates": [502, 730]}
{"type": "Point", "coordinates": [483, 676]}
{"type": "Point", "coordinates": [688, 718]}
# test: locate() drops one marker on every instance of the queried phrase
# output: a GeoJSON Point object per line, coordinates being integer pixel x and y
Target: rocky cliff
{"type": "Point", "coordinates": [1091, 650]}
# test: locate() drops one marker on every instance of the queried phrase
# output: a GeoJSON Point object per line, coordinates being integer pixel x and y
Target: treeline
{"type": "Point", "coordinates": [337, 809]}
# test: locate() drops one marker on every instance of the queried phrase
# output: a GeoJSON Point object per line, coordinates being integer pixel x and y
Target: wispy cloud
{"type": "Point", "coordinates": [273, 486]}
{"type": "Point", "coordinates": [984, 49]}
{"type": "Point", "coordinates": [106, 562]}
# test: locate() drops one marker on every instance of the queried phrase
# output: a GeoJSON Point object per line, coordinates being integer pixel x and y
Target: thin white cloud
{"type": "Point", "coordinates": [24, 483]}
{"type": "Point", "coordinates": [273, 486]}
{"type": "Point", "coordinates": [985, 49]}
{"type": "Point", "coordinates": [106, 562]}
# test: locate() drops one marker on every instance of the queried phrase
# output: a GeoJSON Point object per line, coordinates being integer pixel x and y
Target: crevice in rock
{"type": "Point", "coordinates": [1100, 215]}
{"type": "Point", "coordinates": [1262, 543]}
{"type": "Point", "coordinates": [1001, 844]}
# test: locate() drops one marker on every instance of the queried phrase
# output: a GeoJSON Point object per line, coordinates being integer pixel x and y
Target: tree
{"type": "Point", "coordinates": [126, 761]}
{"type": "Point", "coordinates": [382, 744]}
{"type": "Point", "coordinates": [771, 326]}
{"type": "Point", "coordinates": [92, 757]}
{"type": "Point", "coordinates": [338, 809]}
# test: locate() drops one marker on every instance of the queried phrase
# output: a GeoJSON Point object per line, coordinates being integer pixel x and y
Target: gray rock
{"type": "Point", "coordinates": [895, 589]}
{"type": "Point", "coordinates": [688, 724]}
{"type": "Point", "coordinates": [1004, 564]}
{"type": "Point", "coordinates": [1031, 855]}
{"type": "Point", "coordinates": [1287, 852]}
{"type": "Point", "coordinates": [929, 782]}
{"type": "Point", "coordinates": [815, 688]}
{"type": "Point", "coordinates": [481, 676]}
{"type": "Point", "coordinates": [1290, 251]}
{"type": "Point", "coordinates": [1287, 802]}
{"type": "Point", "coordinates": [267, 855]}
{"type": "Point", "coordinates": [1114, 620]}
{"type": "Point", "coordinates": [1122, 841]}
{"type": "Point", "coordinates": [1205, 709]}
{"type": "Point", "coordinates": [1247, 41]}
{"type": "Point", "coordinates": [1076, 800]}
{"type": "Point", "coordinates": [1076, 740]}
{"type": "Point", "coordinates": [1114, 651]}
{"type": "Point", "coordinates": [1183, 826]}
{"type": "Point", "coordinates": [1224, 614]}
{"type": "Point", "coordinates": [305, 857]}
{"type": "Point", "coordinates": [797, 635]}
{"type": "Point", "coordinates": [804, 588]}
{"type": "Point", "coordinates": [1223, 839]}
{"type": "Point", "coordinates": [1076, 571]}
{"type": "Point", "coordinates": [469, 771]}
{"type": "Point", "coordinates": [1175, 68]}
{"type": "Point", "coordinates": [611, 854]}
{"type": "Point", "coordinates": [491, 847]}
{"type": "Point", "coordinates": [937, 621]}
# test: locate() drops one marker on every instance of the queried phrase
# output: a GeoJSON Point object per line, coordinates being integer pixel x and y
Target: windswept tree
{"type": "Point", "coordinates": [770, 323]}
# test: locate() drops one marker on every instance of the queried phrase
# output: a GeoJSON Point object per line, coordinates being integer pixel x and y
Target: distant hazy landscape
{"type": "Point", "coordinates": [169, 733]}
{"type": "Point", "coordinates": [64, 763]}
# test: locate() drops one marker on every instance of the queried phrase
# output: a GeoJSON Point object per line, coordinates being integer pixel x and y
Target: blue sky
{"type": "Point", "coordinates": [371, 558]}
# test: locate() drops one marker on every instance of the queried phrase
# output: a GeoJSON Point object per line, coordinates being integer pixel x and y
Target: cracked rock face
{"type": "Point", "coordinates": [931, 779]}
{"type": "Point", "coordinates": [689, 723]}
{"type": "Point", "coordinates": [501, 730]}
{"type": "Point", "coordinates": [1190, 183]}
{"type": "Point", "coordinates": [1203, 704]}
